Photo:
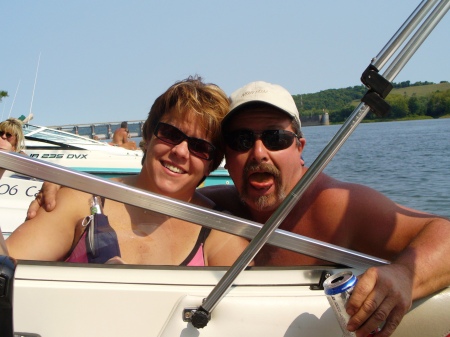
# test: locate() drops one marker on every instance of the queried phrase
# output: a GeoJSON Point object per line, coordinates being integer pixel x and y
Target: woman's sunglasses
{"type": "Point", "coordinates": [243, 140]}
{"type": "Point", "coordinates": [8, 135]}
{"type": "Point", "coordinates": [171, 135]}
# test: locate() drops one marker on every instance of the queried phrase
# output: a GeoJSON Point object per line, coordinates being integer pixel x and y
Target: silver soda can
{"type": "Point", "coordinates": [338, 289]}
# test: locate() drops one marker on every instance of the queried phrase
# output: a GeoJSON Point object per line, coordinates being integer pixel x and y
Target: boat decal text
{"type": "Point", "coordinates": [58, 156]}
{"type": "Point", "coordinates": [15, 190]}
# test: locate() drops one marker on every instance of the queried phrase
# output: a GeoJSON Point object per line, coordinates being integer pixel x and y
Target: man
{"type": "Point", "coordinates": [120, 137]}
{"type": "Point", "coordinates": [264, 145]}
{"type": "Point", "coordinates": [263, 152]}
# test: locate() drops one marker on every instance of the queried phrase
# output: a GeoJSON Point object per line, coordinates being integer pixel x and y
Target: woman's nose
{"type": "Point", "coordinates": [181, 149]}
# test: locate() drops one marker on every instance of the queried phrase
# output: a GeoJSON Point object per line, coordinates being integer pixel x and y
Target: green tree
{"type": "Point", "coordinates": [439, 104]}
{"type": "Point", "coordinates": [3, 94]}
{"type": "Point", "coordinates": [341, 115]}
{"type": "Point", "coordinates": [399, 106]}
{"type": "Point", "coordinates": [417, 105]}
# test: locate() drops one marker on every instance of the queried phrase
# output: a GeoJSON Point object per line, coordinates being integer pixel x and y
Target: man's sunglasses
{"type": "Point", "coordinates": [243, 140]}
{"type": "Point", "coordinates": [171, 135]}
{"type": "Point", "coordinates": [8, 135]}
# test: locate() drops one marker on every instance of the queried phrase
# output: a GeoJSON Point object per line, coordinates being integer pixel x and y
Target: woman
{"type": "Point", "coordinates": [11, 131]}
{"type": "Point", "coordinates": [183, 145]}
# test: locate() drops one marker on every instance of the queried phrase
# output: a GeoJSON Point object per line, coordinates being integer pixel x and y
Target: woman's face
{"type": "Point", "coordinates": [173, 170]}
{"type": "Point", "coordinates": [10, 136]}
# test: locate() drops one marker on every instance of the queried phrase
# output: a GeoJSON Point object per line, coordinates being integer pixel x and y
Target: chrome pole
{"type": "Point", "coordinates": [403, 32]}
{"type": "Point", "coordinates": [182, 210]}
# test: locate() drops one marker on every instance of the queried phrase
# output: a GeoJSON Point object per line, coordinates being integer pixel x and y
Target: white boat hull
{"type": "Point", "coordinates": [16, 194]}
{"type": "Point", "coordinates": [75, 300]}
{"type": "Point", "coordinates": [80, 153]}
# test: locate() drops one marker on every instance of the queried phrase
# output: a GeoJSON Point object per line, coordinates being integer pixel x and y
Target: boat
{"type": "Point", "coordinates": [66, 149]}
{"type": "Point", "coordinates": [80, 153]}
{"type": "Point", "coordinates": [50, 299]}
{"type": "Point", "coordinates": [55, 298]}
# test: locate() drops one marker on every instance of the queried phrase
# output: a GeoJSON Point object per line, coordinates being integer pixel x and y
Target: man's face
{"type": "Point", "coordinates": [263, 177]}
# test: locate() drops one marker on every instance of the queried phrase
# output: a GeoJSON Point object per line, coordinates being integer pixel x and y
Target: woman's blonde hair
{"type": "Point", "coordinates": [206, 100]}
{"type": "Point", "coordinates": [14, 127]}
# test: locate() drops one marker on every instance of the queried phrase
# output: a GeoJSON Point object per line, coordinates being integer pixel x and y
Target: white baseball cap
{"type": "Point", "coordinates": [260, 91]}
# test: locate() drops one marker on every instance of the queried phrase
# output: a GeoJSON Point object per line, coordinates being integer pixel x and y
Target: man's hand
{"type": "Point", "coordinates": [46, 198]}
{"type": "Point", "coordinates": [381, 295]}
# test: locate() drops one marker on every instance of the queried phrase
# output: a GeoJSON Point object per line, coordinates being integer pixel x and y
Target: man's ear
{"type": "Point", "coordinates": [302, 143]}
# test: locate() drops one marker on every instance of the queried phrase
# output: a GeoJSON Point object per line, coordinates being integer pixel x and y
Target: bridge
{"type": "Point", "coordinates": [105, 130]}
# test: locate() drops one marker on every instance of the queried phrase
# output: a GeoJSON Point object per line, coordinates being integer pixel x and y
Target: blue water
{"type": "Point", "coordinates": [407, 161]}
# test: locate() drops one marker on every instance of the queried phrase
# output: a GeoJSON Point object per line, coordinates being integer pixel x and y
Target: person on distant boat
{"type": "Point", "coordinates": [11, 131]}
{"type": "Point", "coordinates": [121, 137]}
{"type": "Point", "coordinates": [183, 145]}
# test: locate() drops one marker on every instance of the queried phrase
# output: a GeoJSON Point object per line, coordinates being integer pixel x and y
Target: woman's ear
{"type": "Point", "coordinates": [201, 182]}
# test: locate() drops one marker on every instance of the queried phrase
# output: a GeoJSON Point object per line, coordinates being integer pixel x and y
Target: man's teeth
{"type": "Point", "coordinates": [173, 168]}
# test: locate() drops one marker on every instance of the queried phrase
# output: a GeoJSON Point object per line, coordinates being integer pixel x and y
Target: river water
{"type": "Point", "coordinates": [407, 161]}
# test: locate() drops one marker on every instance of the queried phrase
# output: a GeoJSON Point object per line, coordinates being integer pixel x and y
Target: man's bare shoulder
{"type": "Point", "coordinates": [327, 186]}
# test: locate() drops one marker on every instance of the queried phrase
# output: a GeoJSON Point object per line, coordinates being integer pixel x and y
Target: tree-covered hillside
{"type": "Point", "coordinates": [406, 99]}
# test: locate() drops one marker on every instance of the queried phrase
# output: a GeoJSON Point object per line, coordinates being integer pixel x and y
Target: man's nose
{"type": "Point", "coordinates": [259, 151]}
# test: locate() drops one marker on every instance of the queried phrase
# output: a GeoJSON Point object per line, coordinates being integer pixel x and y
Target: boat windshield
{"type": "Point", "coordinates": [58, 136]}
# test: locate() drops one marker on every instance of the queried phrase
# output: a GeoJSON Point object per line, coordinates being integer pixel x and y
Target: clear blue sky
{"type": "Point", "coordinates": [107, 60]}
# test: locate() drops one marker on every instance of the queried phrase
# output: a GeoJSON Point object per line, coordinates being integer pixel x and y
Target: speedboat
{"type": "Point", "coordinates": [66, 149]}
{"type": "Point", "coordinates": [80, 153]}
{"type": "Point", "coordinates": [39, 298]}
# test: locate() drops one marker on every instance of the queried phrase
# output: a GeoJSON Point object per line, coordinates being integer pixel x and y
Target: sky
{"type": "Point", "coordinates": [84, 61]}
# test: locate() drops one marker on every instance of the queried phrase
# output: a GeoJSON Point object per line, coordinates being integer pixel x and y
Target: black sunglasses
{"type": "Point", "coordinates": [243, 140]}
{"type": "Point", "coordinates": [8, 135]}
{"type": "Point", "coordinates": [171, 135]}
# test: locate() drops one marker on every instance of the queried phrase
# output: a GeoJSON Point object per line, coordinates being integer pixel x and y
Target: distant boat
{"type": "Point", "coordinates": [64, 149]}
{"type": "Point", "coordinates": [80, 153]}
